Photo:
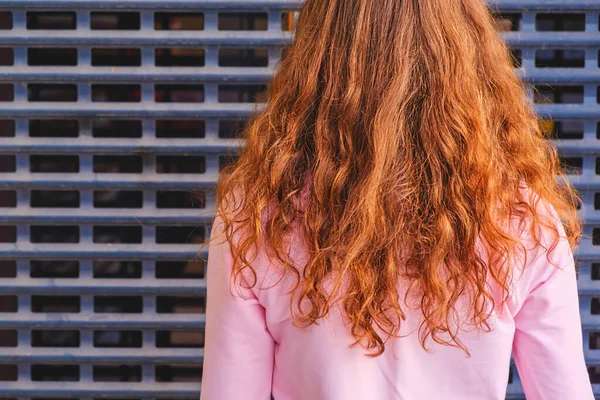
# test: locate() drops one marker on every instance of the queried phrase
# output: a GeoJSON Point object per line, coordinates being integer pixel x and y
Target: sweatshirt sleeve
{"type": "Point", "coordinates": [238, 350]}
{"type": "Point", "coordinates": [548, 343]}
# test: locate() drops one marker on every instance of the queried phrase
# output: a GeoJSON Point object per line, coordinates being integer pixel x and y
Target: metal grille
{"type": "Point", "coordinates": [115, 117]}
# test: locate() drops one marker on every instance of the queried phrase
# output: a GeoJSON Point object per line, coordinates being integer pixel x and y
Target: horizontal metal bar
{"type": "Point", "coordinates": [102, 355]}
{"type": "Point", "coordinates": [106, 216]}
{"type": "Point", "coordinates": [576, 76]}
{"type": "Point", "coordinates": [144, 74]}
{"type": "Point", "coordinates": [587, 252]}
{"type": "Point", "coordinates": [578, 147]}
{"type": "Point", "coordinates": [569, 111]}
{"type": "Point", "coordinates": [261, 4]}
{"type": "Point", "coordinates": [84, 145]}
{"type": "Point", "coordinates": [269, 38]}
{"type": "Point", "coordinates": [102, 286]}
{"type": "Point", "coordinates": [24, 319]}
{"type": "Point", "coordinates": [542, 40]}
{"type": "Point", "coordinates": [555, 5]}
{"type": "Point", "coordinates": [237, 39]}
{"type": "Point", "coordinates": [130, 75]}
{"type": "Point", "coordinates": [72, 390]}
{"type": "Point", "coordinates": [129, 110]}
{"type": "Point", "coordinates": [210, 110]}
{"type": "Point", "coordinates": [81, 251]}
{"type": "Point", "coordinates": [107, 181]}
{"type": "Point", "coordinates": [155, 4]}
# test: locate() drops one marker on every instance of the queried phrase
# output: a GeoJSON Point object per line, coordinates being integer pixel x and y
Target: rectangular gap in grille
{"type": "Point", "coordinates": [180, 128]}
{"type": "Point", "coordinates": [180, 339]}
{"type": "Point", "coordinates": [8, 373]}
{"type": "Point", "coordinates": [58, 372]}
{"type": "Point", "coordinates": [193, 269]}
{"type": "Point", "coordinates": [241, 93]}
{"type": "Point", "coordinates": [8, 234]}
{"type": "Point", "coordinates": [288, 20]}
{"type": "Point", "coordinates": [53, 163]}
{"type": "Point", "coordinates": [596, 242]}
{"type": "Point", "coordinates": [8, 163]}
{"type": "Point", "coordinates": [126, 339]}
{"type": "Point", "coordinates": [52, 92]}
{"type": "Point", "coordinates": [188, 21]}
{"type": "Point", "coordinates": [118, 269]}
{"type": "Point", "coordinates": [54, 269]}
{"type": "Point", "coordinates": [8, 198]}
{"type": "Point", "coordinates": [117, 128]}
{"type": "Point", "coordinates": [118, 164]}
{"type": "Point", "coordinates": [7, 128]}
{"type": "Point", "coordinates": [7, 56]}
{"type": "Point", "coordinates": [598, 95]}
{"type": "Point", "coordinates": [507, 22]}
{"type": "Point", "coordinates": [594, 340]}
{"type": "Point", "coordinates": [9, 338]}
{"type": "Point", "coordinates": [6, 20]}
{"type": "Point", "coordinates": [57, 128]}
{"type": "Point", "coordinates": [9, 303]}
{"type": "Point", "coordinates": [179, 57]}
{"type": "Point", "coordinates": [560, 58]}
{"type": "Point", "coordinates": [546, 94]}
{"type": "Point", "coordinates": [54, 198]}
{"type": "Point", "coordinates": [180, 304]}
{"type": "Point", "coordinates": [560, 22]}
{"type": "Point", "coordinates": [8, 268]}
{"type": "Point", "coordinates": [232, 128]}
{"type": "Point", "coordinates": [51, 56]}
{"type": "Point", "coordinates": [597, 207]}
{"type": "Point", "coordinates": [7, 92]}
{"type": "Point", "coordinates": [58, 20]}
{"type": "Point", "coordinates": [178, 373]}
{"type": "Point", "coordinates": [562, 129]}
{"type": "Point", "coordinates": [243, 21]}
{"type": "Point", "coordinates": [180, 234]}
{"type": "Point", "coordinates": [118, 199]}
{"type": "Point", "coordinates": [180, 199]}
{"type": "Point", "coordinates": [243, 57]}
{"type": "Point", "coordinates": [115, 21]}
{"type": "Point", "coordinates": [111, 93]}
{"type": "Point", "coordinates": [55, 338]}
{"type": "Point", "coordinates": [594, 373]}
{"type": "Point", "coordinates": [117, 373]}
{"type": "Point", "coordinates": [118, 304]}
{"type": "Point", "coordinates": [572, 165]}
{"type": "Point", "coordinates": [179, 93]}
{"type": "Point", "coordinates": [54, 234]}
{"type": "Point", "coordinates": [180, 164]}
{"type": "Point", "coordinates": [55, 304]}
{"type": "Point", "coordinates": [116, 57]}
{"type": "Point", "coordinates": [117, 234]}
{"type": "Point", "coordinates": [227, 160]}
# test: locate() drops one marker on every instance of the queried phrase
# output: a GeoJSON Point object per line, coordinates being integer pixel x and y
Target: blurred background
{"type": "Point", "coordinates": [115, 119]}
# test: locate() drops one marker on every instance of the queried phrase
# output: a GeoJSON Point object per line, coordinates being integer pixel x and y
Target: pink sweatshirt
{"type": "Point", "coordinates": [252, 349]}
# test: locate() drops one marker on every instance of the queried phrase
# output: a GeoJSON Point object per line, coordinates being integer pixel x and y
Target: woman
{"type": "Point", "coordinates": [394, 228]}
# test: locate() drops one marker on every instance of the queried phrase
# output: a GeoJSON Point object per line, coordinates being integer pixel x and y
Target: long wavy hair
{"type": "Point", "coordinates": [397, 135]}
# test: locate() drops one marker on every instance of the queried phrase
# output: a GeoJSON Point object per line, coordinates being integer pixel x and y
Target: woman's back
{"type": "Point", "coordinates": [253, 349]}
{"type": "Point", "coordinates": [377, 183]}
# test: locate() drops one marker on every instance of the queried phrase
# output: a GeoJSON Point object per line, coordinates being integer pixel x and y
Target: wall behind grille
{"type": "Point", "coordinates": [115, 117]}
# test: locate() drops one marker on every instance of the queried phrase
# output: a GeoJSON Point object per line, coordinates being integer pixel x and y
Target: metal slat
{"type": "Point", "coordinates": [104, 320]}
{"type": "Point", "coordinates": [102, 286]}
{"type": "Point", "coordinates": [244, 5]}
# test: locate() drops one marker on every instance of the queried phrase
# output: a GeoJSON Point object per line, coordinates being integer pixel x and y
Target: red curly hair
{"type": "Point", "coordinates": [414, 136]}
